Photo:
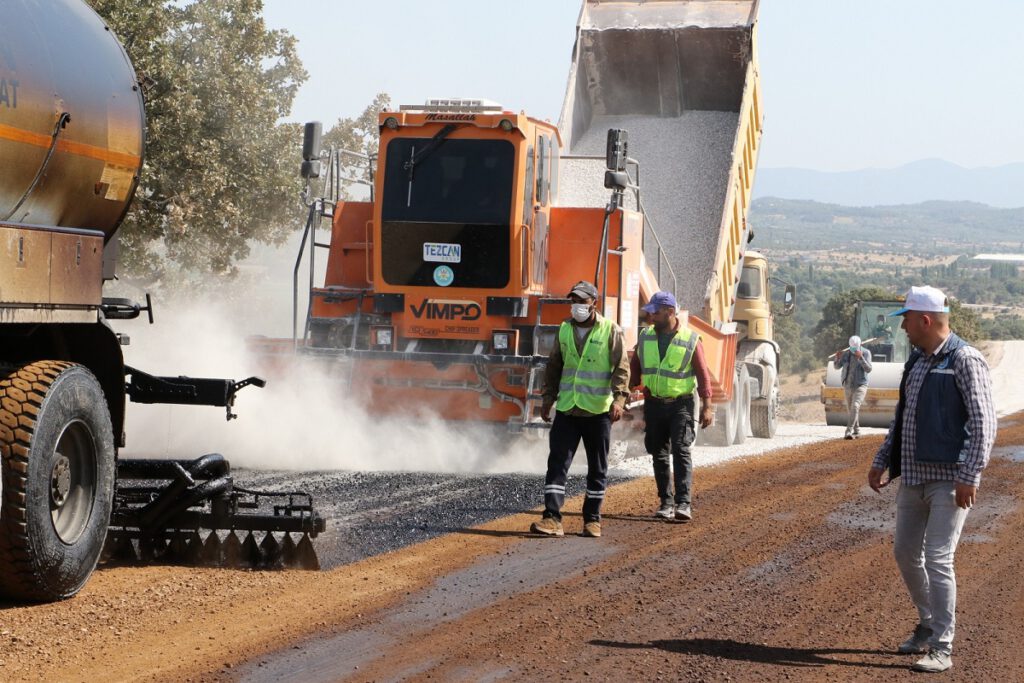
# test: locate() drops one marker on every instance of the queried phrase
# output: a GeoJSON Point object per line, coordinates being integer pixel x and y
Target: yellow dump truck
{"type": "Point", "coordinates": [681, 77]}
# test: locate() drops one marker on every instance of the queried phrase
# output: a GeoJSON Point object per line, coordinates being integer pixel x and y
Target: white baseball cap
{"type": "Point", "coordinates": [854, 341]}
{"type": "Point", "coordinates": [924, 299]}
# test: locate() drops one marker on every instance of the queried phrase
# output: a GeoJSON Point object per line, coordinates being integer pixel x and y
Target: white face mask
{"type": "Point", "coordinates": [580, 312]}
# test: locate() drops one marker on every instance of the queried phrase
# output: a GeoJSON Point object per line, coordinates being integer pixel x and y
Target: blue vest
{"type": "Point", "coordinates": [942, 433]}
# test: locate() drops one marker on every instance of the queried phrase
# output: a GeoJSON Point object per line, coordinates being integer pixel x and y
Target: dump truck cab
{"type": "Point", "coordinates": [753, 299]}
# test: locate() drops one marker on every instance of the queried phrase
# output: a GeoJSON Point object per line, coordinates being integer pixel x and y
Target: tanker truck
{"type": "Point", "coordinates": [681, 76]}
{"type": "Point", "coordinates": [445, 288]}
{"type": "Point", "coordinates": [71, 148]}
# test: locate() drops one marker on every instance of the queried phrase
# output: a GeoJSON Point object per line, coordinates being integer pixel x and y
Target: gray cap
{"type": "Point", "coordinates": [584, 290]}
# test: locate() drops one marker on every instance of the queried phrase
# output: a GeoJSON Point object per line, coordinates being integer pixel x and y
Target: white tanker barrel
{"type": "Point", "coordinates": [71, 118]}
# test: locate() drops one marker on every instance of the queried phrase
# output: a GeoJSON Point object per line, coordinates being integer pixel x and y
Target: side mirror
{"type": "Point", "coordinates": [617, 150]}
{"type": "Point", "coordinates": [311, 150]}
{"type": "Point", "coordinates": [311, 141]}
{"type": "Point", "coordinates": [616, 180]}
{"type": "Point", "coordinates": [789, 300]}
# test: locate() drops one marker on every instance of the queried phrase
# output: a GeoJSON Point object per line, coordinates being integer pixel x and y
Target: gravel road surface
{"type": "Point", "coordinates": [785, 573]}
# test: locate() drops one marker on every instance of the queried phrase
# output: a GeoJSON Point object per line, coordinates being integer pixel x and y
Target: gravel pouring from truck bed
{"type": "Point", "coordinates": [684, 173]}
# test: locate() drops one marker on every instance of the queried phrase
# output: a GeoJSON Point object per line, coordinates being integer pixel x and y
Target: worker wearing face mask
{"type": "Point", "coordinates": [585, 381]}
{"type": "Point", "coordinates": [855, 363]}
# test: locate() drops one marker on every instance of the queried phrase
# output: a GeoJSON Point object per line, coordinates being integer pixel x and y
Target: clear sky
{"type": "Point", "coordinates": [847, 85]}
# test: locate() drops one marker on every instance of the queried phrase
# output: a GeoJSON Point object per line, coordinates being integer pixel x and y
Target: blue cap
{"type": "Point", "coordinates": [660, 299]}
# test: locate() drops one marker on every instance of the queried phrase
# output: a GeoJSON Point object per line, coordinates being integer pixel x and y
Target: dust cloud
{"type": "Point", "coordinates": [305, 421]}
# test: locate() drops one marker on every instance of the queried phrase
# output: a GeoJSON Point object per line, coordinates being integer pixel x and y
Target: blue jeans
{"type": "Point", "coordinates": [928, 526]}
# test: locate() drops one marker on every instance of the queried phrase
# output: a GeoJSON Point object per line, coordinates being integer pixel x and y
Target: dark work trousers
{"type": "Point", "coordinates": [566, 433]}
{"type": "Point", "coordinates": [669, 434]}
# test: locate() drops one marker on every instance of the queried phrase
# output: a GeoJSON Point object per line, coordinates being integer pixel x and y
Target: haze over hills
{"type": "Point", "coordinates": [920, 181]}
{"type": "Point", "coordinates": [932, 227]}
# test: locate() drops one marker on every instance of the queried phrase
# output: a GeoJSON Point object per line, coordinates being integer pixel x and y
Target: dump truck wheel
{"type": "Point", "coordinates": [57, 468]}
{"type": "Point", "coordinates": [742, 407]}
{"type": "Point", "coordinates": [764, 416]}
{"type": "Point", "coordinates": [722, 432]}
{"type": "Point", "coordinates": [625, 449]}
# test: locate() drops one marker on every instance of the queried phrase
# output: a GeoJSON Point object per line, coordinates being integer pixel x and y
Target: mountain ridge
{"type": "Point", "coordinates": [912, 183]}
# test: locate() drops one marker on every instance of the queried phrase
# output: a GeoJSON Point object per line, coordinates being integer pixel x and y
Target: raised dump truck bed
{"type": "Point", "coordinates": [681, 77]}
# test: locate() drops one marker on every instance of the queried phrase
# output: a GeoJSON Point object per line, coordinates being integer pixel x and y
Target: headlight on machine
{"type": "Point", "coordinates": [505, 342]}
{"type": "Point", "coordinates": [382, 337]}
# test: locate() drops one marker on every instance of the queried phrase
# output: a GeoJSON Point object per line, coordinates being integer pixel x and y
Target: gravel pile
{"type": "Point", "coordinates": [369, 513]}
{"type": "Point", "coordinates": [684, 172]}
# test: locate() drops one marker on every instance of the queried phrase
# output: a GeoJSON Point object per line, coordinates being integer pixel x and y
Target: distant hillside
{"type": "Point", "coordinates": [932, 227]}
{"type": "Point", "coordinates": [921, 181]}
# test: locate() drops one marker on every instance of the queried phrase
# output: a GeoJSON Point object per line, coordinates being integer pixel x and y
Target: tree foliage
{"type": "Point", "coordinates": [361, 136]}
{"type": "Point", "coordinates": [837, 321]}
{"type": "Point", "coordinates": [837, 318]}
{"type": "Point", "coordinates": [219, 169]}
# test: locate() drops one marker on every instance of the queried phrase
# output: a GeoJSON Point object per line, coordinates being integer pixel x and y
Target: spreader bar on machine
{"type": "Point", "coordinates": [160, 507]}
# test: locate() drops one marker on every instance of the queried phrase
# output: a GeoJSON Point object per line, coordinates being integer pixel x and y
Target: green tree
{"type": "Point", "coordinates": [796, 353]}
{"type": "Point", "coordinates": [360, 135]}
{"type": "Point", "coordinates": [219, 169]}
{"type": "Point", "coordinates": [965, 322]}
{"type": "Point", "coordinates": [1004, 327]}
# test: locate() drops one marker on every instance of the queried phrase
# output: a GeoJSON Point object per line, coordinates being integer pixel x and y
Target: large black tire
{"type": "Point", "coordinates": [57, 468]}
{"type": "Point", "coordinates": [764, 415]}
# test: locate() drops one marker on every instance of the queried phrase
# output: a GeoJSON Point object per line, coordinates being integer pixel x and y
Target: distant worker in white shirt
{"type": "Point", "coordinates": [855, 362]}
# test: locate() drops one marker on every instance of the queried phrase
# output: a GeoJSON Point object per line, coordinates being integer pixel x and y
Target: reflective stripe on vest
{"type": "Point", "coordinates": [586, 380]}
{"type": "Point", "coordinates": [672, 375]}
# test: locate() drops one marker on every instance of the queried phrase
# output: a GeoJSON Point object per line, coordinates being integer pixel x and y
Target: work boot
{"type": "Point", "coordinates": [917, 643]}
{"type": "Point", "coordinates": [547, 526]}
{"type": "Point", "coordinates": [933, 662]}
{"type": "Point", "coordinates": [592, 529]}
{"type": "Point", "coordinates": [683, 513]}
{"type": "Point", "coordinates": [848, 436]}
{"type": "Point", "coordinates": [666, 511]}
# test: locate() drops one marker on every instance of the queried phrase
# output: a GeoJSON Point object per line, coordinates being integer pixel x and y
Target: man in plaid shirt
{"type": "Point", "coordinates": [939, 442]}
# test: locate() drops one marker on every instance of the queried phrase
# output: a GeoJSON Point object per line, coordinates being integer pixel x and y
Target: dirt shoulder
{"type": "Point", "coordinates": [786, 572]}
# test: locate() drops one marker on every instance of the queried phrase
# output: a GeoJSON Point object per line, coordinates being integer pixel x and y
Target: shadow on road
{"type": "Point", "coordinates": [495, 533]}
{"type": "Point", "coordinates": [751, 652]}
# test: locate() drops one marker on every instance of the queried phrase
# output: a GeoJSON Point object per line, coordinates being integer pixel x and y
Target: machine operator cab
{"type": "Point", "coordinates": [883, 336]}
{"type": "Point", "coordinates": [460, 179]}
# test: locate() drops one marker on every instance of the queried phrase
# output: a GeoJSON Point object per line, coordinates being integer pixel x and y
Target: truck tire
{"type": "Point", "coordinates": [742, 407]}
{"type": "Point", "coordinates": [723, 430]}
{"type": "Point", "coordinates": [764, 415]}
{"type": "Point", "coordinates": [625, 449]}
{"type": "Point", "coordinates": [57, 469]}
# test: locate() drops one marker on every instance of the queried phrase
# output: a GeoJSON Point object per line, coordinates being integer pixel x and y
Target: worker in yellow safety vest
{"type": "Point", "coordinates": [669, 363]}
{"type": "Point", "coordinates": [585, 380]}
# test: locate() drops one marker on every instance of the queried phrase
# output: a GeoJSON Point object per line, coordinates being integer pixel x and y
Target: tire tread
{"type": "Point", "coordinates": [19, 577]}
